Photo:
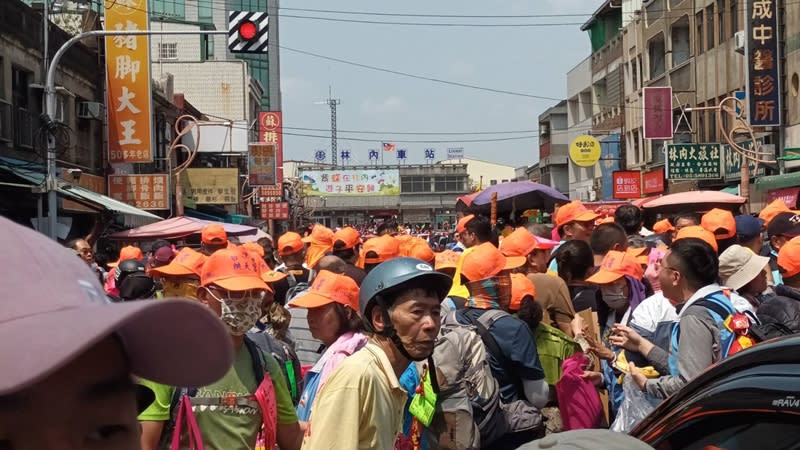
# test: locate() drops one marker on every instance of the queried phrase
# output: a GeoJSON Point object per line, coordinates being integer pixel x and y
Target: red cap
{"type": "Point", "coordinates": [462, 223]}
{"type": "Point", "coordinates": [521, 287]}
{"type": "Point", "coordinates": [290, 243]}
{"type": "Point", "coordinates": [615, 265]}
{"type": "Point", "coordinates": [573, 211]}
{"type": "Point", "coordinates": [347, 237]}
{"type": "Point", "coordinates": [327, 288]}
{"type": "Point", "coordinates": [720, 222]}
{"type": "Point", "coordinates": [214, 234]}
{"type": "Point", "coordinates": [233, 269]}
{"type": "Point", "coordinates": [485, 261]}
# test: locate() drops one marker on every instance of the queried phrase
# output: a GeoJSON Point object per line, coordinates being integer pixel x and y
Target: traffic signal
{"type": "Point", "coordinates": [248, 32]}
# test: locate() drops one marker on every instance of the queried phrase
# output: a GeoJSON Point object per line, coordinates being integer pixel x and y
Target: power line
{"type": "Point", "coordinates": [435, 24]}
{"type": "Point", "coordinates": [443, 16]}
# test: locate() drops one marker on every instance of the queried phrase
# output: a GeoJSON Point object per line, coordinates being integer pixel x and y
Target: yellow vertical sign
{"type": "Point", "coordinates": [129, 101]}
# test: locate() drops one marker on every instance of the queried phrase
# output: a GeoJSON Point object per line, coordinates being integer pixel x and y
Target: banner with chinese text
{"type": "Point", "coordinates": [261, 164]}
{"type": "Point", "coordinates": [129, 102]}
{"type": "Point", "coordinates": [733, 162]}
{"type": "Point", "coordinates": [275, 210]}
{"type": "Point", "coordinates": [694, 161]}
{"type": "Point", "coordinates": [271, 132]}
{"type": "Point", "coordinates": [627, 184]}
{"type": "Point", "coordinates": [763, 63]}
{"type": "Point", "coordinates": [657, 103]}
{"type": "Point", "coordinates": [351, 182]}
{"type": "Point", "coordinates": [653, 181]}
{"type": "Point", "coordinates": [211, 186]}
{"type": "Point", "coordinates": [142, 191]}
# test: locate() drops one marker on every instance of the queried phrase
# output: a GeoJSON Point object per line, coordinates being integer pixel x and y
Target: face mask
{"type": "Point", "coordinates": [180, 289]}
{"type": "Point", "coordinates": [241, 315]}
{"type": "Point", "coordinates": [614, 297]}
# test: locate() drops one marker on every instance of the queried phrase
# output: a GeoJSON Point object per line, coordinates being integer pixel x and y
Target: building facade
{"type": "Point", "coordinates": [579, 122]}
{"type": "Point", "coordinates": [554, 147]}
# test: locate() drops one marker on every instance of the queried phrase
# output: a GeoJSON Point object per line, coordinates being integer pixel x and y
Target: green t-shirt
{"type": "Point", "coordinates": [159, 409]}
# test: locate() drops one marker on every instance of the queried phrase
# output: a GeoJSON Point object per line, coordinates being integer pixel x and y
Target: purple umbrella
{"type": "Point", "coordinates": [519, 196]}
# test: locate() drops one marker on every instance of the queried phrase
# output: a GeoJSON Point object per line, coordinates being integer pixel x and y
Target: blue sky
{"type": "Point", "coordinates": [532, 60]}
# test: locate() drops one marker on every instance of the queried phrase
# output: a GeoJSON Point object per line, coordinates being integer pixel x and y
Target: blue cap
{"type": "Point", "coordinates": [748, 227]}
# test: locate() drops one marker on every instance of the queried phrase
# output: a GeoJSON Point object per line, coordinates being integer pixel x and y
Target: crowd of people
{"type": "Point", "coordinates": [339, 339]}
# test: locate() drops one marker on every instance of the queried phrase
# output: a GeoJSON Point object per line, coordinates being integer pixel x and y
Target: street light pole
{"type": "Point", "coordinates": [51, 183]}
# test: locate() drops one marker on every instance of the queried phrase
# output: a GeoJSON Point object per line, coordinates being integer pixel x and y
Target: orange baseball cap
{"type": "Point", "coordinates": [462, 223]}
{"type": "Point", "coordinates": [447, 259]}
{"type": "Point", "coordinates": [486, 261]}
{"type": "Point", "coordinates": [187, 262]}
{"type": "Point", "coordinates": [386, 247]}
{"type": "Point", "coordinates": [320, 235]}
{"type": "Point", "coordinates": [128, 252]}
{"type": "Point", "coordinates": [773, 209]}
{"type": "Point", "coordinates": [327, 288]}
{"type": "Point", "coordinates": [662, 226]}
{"type": "Point", "coordinates": [696, 231]}
{"type": "Point", "coordinates": [521, 287]}
{"type": "Point", "coordinates": [421, 250]}
{"type": "Point", "coordinates": [789, 258]}
{"type": "Point", "coordinates": [720, 222]}
{"type": "Point", "coordinates": [347, 237]}
{"type": "Point", "coordinates": [254, 247]}
{"type": "Point", "coordinates": [272, 276]}
{"type": "Point", "coordinates": [233, 269]}
{"type": "Point", "coordinates": [615, 265]}
{"type": "Point", "coordinates": [213, 233]}
{"type": "Point", "coordinates": [574, 211]}
{"type": "Point", "coordinates": [521, 243]}
{"type": "Point", "coordinates": [290, 243]}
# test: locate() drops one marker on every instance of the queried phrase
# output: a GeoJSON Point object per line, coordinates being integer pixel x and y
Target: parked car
{"type": "Point", "coordinates": [749, 401]}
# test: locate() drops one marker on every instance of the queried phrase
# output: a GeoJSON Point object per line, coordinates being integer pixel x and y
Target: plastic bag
{"type": "Point", "coordinates": [636, 406]}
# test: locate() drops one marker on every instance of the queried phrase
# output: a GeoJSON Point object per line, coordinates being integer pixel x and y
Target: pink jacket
{"type": "Point", "coordinates": [345, 345]}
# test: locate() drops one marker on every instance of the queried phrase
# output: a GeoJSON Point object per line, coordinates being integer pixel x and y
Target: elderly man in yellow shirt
{"type": "Point", "coordinates": [361, 405]}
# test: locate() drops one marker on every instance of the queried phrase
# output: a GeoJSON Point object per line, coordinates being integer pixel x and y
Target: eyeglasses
{"type": "Point", "coordinates": [221, 294]}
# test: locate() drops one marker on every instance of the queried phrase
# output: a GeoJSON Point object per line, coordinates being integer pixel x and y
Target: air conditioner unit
{"type": "Point", "coordinates": [739, 42]}
{"type": "Point", "coordinates": [544, 129]}
{"type": "Point", "coordinates": [90, 110]}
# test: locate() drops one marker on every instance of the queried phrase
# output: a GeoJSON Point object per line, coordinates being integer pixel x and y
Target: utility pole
{"type": "Point", "coordinates": [332, 102]}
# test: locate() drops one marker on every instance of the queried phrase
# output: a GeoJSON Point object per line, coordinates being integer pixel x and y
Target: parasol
{"type": "Point", "coordinates": [694, 201]}
{"type": "Point", "coordinates": [518, 196]}
{"type": "Point", "coordinates": [178, 227]}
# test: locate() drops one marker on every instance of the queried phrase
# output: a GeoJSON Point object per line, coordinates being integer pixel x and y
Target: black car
{"type": "Point", "coordinates": [749, 401]}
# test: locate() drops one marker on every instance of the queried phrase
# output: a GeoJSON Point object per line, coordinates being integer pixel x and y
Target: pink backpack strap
{"type": "Point", "coordinates": [185, 414]}
{"type": "Point", "coordinates": [265, 396]}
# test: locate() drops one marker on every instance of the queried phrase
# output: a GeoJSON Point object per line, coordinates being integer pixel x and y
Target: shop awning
{"type": "Point", "coordinates": [778, 181]}
{"type": "Point", "coordinates": [132, 217]}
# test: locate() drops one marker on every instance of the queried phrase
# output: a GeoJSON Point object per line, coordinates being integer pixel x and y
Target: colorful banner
{"type": "Point", "coordinates": [351, 182]}
{"type": "Point", "coordinates": [763, 63]}
{"type": "Point", "coordinates": [261, 164]}
{"type": "Point", "coordinates": [270, 131]}
{"type": "Point", "coordinates": [274, 210]}
{"type": "Point", "coordinates": [627, 184]}
{"type": "Point", "coordinates": [694, 161]}
{"type": "Point", "coordinates": [142, 191]}
{"type": "Point", "coordinates": [129, 102]}
{"type": "Point", "coordinates": [788, 195]}
{"type": "Point", "coordinates": [93, 183]}
{"type": "Point", "coordinates": [653, 181]}
{"type": "Point", "coordinates": [657, 112]}
{"type": "Point", "coordinates": [213, 186]}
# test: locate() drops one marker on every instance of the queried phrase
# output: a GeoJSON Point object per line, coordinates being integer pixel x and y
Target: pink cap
{"type": "Point", "coordinates": [166, 341]}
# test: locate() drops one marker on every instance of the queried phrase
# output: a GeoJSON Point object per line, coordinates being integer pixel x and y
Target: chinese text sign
{"type": "Point", "coordinates": [763, 63]}
{"type": "Point", "coordinates": [261, 164]}
{"type": "Point", "coordinates": [694, 161]}
{"type": "Point", "coordinates": [351, 182]}
{"type": "Point", "coordinates": [211, 186]}
{"type": "Point", "coordinates": [271, 132]}
{"type": "Point", "coordinates": [141, 191]}
{"type": "Point", "coordinates": [657, 112]}
{"type": "Point", "coordinates": [627, 184]}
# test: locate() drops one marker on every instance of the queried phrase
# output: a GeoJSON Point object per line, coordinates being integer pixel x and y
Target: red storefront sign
{"type": "Point", "coordinates": [788, 195]}
{"type": "Point", "coordinates": [657, 112]}
{"type": "Point", "coordinates": [270, 191]}
{"type": "Point", "coordinates": [270, 131]}
{"type": "Point", "coordinates": [141, 191]}
{"type": "Point", "coordinates": [653, 181]}
{"type": "Point", "coordinates": [275, 211]}
{"type": "Point", "coordinates": [627, 184]}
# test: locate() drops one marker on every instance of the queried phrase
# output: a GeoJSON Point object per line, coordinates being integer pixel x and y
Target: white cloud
{"type": "Point", "coordinates": [391, 104]}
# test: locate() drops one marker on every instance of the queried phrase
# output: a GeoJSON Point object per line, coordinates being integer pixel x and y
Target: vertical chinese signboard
{"type": "Point", "coordinates": [627, 184]}
{"type": "Point", "coordinates": [275, 210]}
{"type": "Point", "coordinates": [657, 112]}
{"type": "Point", "coordinates": [694, 161]}
{"type": "Point", "coordinates": [763, 63]}
{"type": "Point", "coordinates": [261, 164]}
{"type": "Point", "coordinates": [271, 132]}
{"type": "Point", "coordinates": [129, 103]}
{"type": "Point", "coordinates": [141, 191]}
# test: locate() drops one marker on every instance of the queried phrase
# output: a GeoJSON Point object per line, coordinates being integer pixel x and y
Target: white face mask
{"type": "Point", "coordinates": [614, 297]}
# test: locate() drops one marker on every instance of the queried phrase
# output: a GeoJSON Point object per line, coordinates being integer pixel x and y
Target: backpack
{"type": "Point", "coordinates": [734, 329]}
{"type": "Point", "coordinates": [287, 360]}
{"type": "Point", "coordinates": [470, 414]}
{"type": "Point", "coordinates": [256, 358]}
{"type": "Point", "coordinates": [296, 288]}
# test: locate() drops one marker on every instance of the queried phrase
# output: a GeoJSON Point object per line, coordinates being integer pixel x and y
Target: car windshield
{"type": "Point", "coordinates": [735, 431]}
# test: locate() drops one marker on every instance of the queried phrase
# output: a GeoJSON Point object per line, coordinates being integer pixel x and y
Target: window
{"type": "Point", "coordinates": [204, 11]}
{"type": "Point", "coordinates": [655, 53]}
{"type": "Point", "coordinates": [679, 37]}
{"type": "Point", "coordinates": [721, 11]}
{"type": "Point", "coordinates": [734, 16]}
{"type": "Point", "coordinates": [731, 430]}
{"type": "Point", "coordinates": [635, 74]}
{"type": "Point", "coordinates": [169, 8]}
{"type": "Point", "coordinates": [710, 27]}
{"type": "Point", "coordinates": [415, 184]}
{"type": "Point", "coordinates": [698, 38]}
{"type": "Point", "coordinates": [168, 50]}
{"type": "Point", "coordinates": [449, 184]}
{"type": "Point", "coordinates": [656, 151]}
{"type": "Point", "coordinates": [492, 182]}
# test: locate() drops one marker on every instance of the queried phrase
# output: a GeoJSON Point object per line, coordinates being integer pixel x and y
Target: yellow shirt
{"type": "Point", "coordinates": [360, 406]}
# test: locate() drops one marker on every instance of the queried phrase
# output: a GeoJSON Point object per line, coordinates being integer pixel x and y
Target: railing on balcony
{"type": "Point", "coordinates": [5, 121]}
{"type": "Point", "coordinates": [24, 123]}
{"type": "Point", "coordinates": [607, 54]}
